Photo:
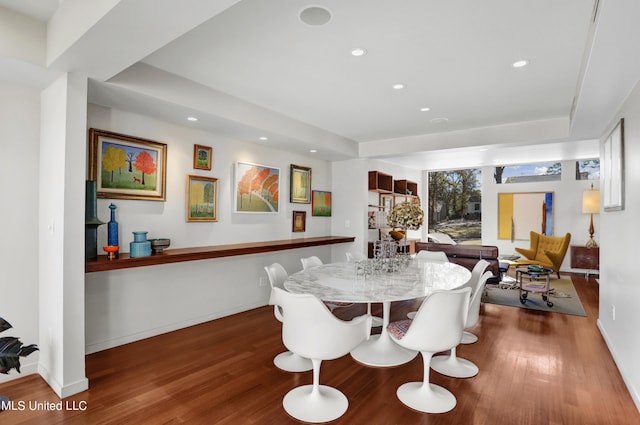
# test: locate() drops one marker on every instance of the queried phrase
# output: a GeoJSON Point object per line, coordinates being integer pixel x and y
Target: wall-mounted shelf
{"type": "Point", "coordinates": [102, 263]}
{"type": "Point", "coordinates": [405, 187]}
{"type": "Point", "coordinates": [380, 182]}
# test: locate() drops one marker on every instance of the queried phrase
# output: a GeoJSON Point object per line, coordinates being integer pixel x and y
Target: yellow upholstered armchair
{"type": "Point", "coordinates": [546, 251]}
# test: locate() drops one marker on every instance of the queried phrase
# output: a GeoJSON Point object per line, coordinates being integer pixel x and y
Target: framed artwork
{"type": "Point", "coordinates": [613, 168]}
{"type": "Point", "coordinates": [257, 188]}
{"type": "Point", "coordinates": [202, 157]}
{"type": "Point", "coordinates": [300, 182]}
{"type": "Point", "coordinates": [321, 204]}
{"type": "Point", "coordinates": [202, 198]}
{"type": "Point", "coordinates": [521, 212]}
{"type": "Point", "coordinates": [299, 221]}
{"type": "Point", "coordinates": [127, 167]}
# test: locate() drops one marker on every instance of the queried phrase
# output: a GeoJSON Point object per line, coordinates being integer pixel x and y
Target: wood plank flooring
{"type": "Point", "coordinates": [535, 368]}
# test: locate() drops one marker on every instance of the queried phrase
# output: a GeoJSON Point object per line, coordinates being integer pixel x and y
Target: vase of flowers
{"type": "Point", "coordinates": [405, 216]}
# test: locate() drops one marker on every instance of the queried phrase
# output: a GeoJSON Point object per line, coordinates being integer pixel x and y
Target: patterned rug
{"type": "Point", "coordinates": [563, 296]}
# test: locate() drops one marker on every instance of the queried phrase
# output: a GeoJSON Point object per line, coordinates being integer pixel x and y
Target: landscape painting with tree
{"type": "Point", "coordinates": [257, 188]}
{"type": "Point", "coordinates": [202, 198]}
{"type": "Point", "coordinates": [455, 200]}
{"type": "Point", "coordinates": [127, 167]}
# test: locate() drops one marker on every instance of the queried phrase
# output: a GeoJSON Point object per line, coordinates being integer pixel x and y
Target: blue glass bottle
{"type": "Point", "coordinates": [112, 229]}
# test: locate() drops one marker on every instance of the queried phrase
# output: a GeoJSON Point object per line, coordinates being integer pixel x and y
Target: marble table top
{"type": "Point", "coordinates": [340, 282]}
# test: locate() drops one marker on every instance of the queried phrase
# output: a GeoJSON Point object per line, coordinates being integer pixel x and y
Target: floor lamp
{"type": "Point", "coordinates": [591, 205]}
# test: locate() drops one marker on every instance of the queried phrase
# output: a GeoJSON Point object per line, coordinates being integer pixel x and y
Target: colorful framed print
{"type": "Point", "coordinates": [202, 157]}
{"type": "Point", "coordinates": [257, 188]}
{"type": "Point", "coordinates": [127, 167]}
{"type": "Point", "coordinates": [202, 198]}
{"type": "Point", "coordinates": [299, 221]}
{"type": "Point", "coordinates": [300, 184]}
{"type": "Point", "coordinates": [321, 205]}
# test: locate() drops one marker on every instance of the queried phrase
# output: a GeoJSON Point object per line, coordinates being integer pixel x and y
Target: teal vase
{"type": "Point", "coordinates": [140, 247]}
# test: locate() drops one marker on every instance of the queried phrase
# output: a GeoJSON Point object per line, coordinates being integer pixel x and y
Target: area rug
{"type": "Point", "coordinates": [564, 297]}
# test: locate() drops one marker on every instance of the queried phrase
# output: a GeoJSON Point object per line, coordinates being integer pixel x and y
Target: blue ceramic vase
{"type": "Point", "coordinates": [140, 247]}
{"type": "Point", "coordinates": [112, 228]}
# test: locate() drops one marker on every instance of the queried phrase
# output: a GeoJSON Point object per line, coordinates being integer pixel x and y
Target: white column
{"type": "Point", "coordinates": [63, 147]}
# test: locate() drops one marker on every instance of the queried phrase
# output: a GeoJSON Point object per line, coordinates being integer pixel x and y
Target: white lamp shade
{"type": "Point", "coordinates": [591, 202]}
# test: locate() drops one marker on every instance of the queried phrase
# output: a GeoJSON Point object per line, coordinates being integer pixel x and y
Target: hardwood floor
{"type": "Point", "coordinates": [535, 368]}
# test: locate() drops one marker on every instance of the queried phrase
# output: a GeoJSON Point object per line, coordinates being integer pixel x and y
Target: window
{"type": "Point", "coordinates": [525, 173]}
{"type": "Point", "coordinates": [588, 169]}
{"type": "Point", "coordinates": [455, 204]}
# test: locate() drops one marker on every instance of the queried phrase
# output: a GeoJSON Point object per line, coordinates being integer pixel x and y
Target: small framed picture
{"type": "Point", "coordinates": [202, 199]}
{"type": "Point", "coordinates": [299, 221]}
{"type": "Point", "coordinates": [202, 157]}
{"type": "Point", "coordinates": [321, 205]}
{"type": "Point", "coordinates": [300, 184]}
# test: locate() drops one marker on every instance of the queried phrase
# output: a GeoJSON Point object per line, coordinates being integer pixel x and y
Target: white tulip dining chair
{"type": "Point", "coordinates": [310, 330]}
{"type": "Point", "coordinates": [438, 326]}
{"type": "Point", "coordinates": [286, 361]}
{"type": "Point", "coordinates": [352, 257]}
{"type": "Point", "coordinates": [441, 238]}
{"type": "Point", "coordinates": [476, 273]}
{"type": "Point", "coordinates": [429, 256]}
{"type": "Point", "coordinates": [314, 261]}
{"type": "Point", "coordinates": [451, 365]}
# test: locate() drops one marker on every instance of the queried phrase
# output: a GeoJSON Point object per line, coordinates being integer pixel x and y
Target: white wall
{"type": "Point", "coordinates": [619, 286]}
{"type": "Point", "coordinates": [130, 304]}
{"type": "Point", "coordinates": [567, 210]}
{"type": "Point", "coordinates": [351, 195]}
{"type": "Point", "coordinates": [19, 172]}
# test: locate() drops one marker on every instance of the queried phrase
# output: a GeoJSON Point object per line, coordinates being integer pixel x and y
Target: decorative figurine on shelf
{"type": "Point", "coordinates": [112, 231]}
{"type": "Point", "coordinates": [111, 251]}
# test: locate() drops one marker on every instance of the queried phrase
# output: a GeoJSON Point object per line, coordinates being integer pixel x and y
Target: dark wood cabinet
{"type": "Point", "coordinates": [585, 258]}
{"type": "Point", "coordinates": [380, 182]}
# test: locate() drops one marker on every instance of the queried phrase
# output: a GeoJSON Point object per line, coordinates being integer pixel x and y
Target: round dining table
{"type": "Point", "coordinates": [345, 282]}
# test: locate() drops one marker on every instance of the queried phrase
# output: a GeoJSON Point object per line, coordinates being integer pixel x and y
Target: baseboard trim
{"type": "Point", "coordinates": [126, 339]}
{"type": "Point", "coordinates": [632, 390]}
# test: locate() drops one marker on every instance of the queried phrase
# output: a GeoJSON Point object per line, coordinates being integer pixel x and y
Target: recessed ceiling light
{"type": "Point", "coordinates": [440, 120]}
{"type": "Point", "coordinates": [398, 86]}
{"type": "Point", "coordinates": [313, 151]}
{"type": "Point", "coordinates": [358, 51]}
{"type": "Point", "coordinates": [192, 119]}
{"type": "Point", "coordinates": [315, 15]}
{"type": "Point", "coordinates": [263, 138]}
{"type": "Point", "coordinates": [520, 63]}
{"type": "Point", "coordinates": [425, 109]}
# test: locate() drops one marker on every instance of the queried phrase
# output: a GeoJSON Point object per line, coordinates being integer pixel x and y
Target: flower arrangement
{"type": "Point", "coordinates": [406, 216]}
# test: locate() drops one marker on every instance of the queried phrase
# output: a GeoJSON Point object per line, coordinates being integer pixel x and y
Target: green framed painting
{"type": "Point", "coordinates": [127, 167]}
{"type": "Point", "coordinates": [202, 157]}
{"type": "Point", "coordinates": [321, 204]}
{"type": "Point", "coordinates": [300, 184]}
{"type": "Point", "coordinates": [202, 198]}
{"type": "Point", "coordinates": [257, 188]}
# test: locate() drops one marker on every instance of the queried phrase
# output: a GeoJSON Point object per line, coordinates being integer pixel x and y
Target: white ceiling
{"type": "Point", "coordinates": [256, 68]}
{"type": "Point", "coordinates": [453, 56]}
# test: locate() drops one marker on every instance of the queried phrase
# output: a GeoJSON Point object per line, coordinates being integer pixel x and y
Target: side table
{"type": "Point", "coordinates": [585, 258]}
{"type": "Point", "coordinates": [534, 285]}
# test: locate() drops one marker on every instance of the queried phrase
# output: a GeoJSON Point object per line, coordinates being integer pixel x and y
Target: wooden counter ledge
{"type": "Point", "coordinates": [207, 252]}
